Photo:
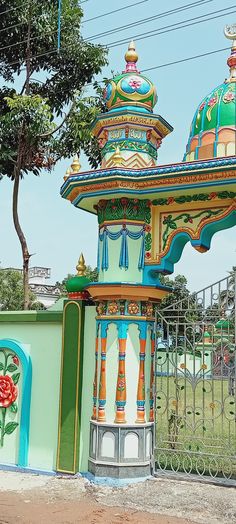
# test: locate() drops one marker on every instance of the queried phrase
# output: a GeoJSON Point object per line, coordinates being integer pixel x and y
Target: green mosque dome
{"type": "Point", "coordinates": [130, 89]}
{"type": "Point", "coordinates": [80, 281]}
{"type": "Point", "coordinates": [213, 128]}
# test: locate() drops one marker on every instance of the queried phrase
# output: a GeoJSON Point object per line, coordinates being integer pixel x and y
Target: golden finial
{"type": "Point", "coordinates": [131, 58]}
{"type": "Point", "coordinates": [117, 158]}
{"type": "Point", "coordinates": [131, 55]}
{"type": "Point", "coordinates": [75, 166]}
{"type": "Point", "coordinates": [81, 267]}
{"type": "Point", "coordinates": [230, 33]}
{"type": "Point", "coordinates": [68, 173]}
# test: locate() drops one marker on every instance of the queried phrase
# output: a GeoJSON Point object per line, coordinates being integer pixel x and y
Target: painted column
{"type": "Point", "coordinates": [102, 384]}
{"type": "Point", "coordinates": [151, 415]}
{"type": "Point", "coordinates": [95, 381]}
{"type": "Point", "coordinates": [141, 380]}
{"type": "Point", "coordinates": [121, 379]}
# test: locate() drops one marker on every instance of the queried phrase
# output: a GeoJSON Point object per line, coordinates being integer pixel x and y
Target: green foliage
{"type": "Point", "coordinates": [11, 292]}
{"type": "Point", "coordinates": [28, 116]}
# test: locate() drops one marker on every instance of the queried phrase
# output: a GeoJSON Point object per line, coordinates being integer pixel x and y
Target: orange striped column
{"type": "Point", "coordinates": [151, 415]}
{"type": "Point", "coordinates": [121, 384]}
{"type": "Point", "coordinates": [95, 381]}
{"type": "Point", "coordinates": [102, 385]}
{"type": "Point", "coordinates": [141, 384]}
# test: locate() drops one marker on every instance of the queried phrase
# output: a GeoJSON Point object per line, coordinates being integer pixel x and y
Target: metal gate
{"type": "Point", "coordinates": [195, 393]}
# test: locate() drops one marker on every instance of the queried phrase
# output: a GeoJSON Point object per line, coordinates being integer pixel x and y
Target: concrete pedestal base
{"type": "Point", "coordinates": [120, 451]}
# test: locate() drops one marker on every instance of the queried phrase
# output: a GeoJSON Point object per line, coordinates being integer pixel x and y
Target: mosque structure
{"type": "Point", "coordinates": [146, 214]}
{"type": "Point", "coordinates": [77, 385]}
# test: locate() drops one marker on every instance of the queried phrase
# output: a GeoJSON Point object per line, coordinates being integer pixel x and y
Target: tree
{"type": "Point", "coordinates": [12, 292]}
{"type": "Point", "coordinates": [34, 130]}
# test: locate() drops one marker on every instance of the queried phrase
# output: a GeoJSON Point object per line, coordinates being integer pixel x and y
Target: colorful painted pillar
{"type": "Point", "coordinates": [146, 214]}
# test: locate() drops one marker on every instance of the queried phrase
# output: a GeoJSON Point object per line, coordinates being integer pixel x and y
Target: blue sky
{"type": "Point", "coordinates": [56, 231]}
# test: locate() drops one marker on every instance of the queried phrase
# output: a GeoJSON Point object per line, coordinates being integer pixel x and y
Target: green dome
{"type": "Point", "coordinates": [223, 324]}
{"type": "Point", "coordinates": [212, 132]}
{"type": "Point", "coordinates": [80, 281]}
{"type": "Point", "coordinates": [213, 129]}
{"type": "Point", "coordinates": [130, 89]}
{"type": "Point", "coordinates": [76, 284]}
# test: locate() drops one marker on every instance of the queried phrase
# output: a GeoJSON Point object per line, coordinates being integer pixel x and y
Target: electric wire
{"type": "Point", "coordinates": [137, 37]}
{"type": "Point", "coordinates": [151, 18]}
{"type": "Point", "coordinates": [115, 11]}
{"type": "Point", "coordinates": [167, 29]}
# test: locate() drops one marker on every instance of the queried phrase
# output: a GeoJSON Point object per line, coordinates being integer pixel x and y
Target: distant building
{"type": "Point", "coordinates": [45, 293]}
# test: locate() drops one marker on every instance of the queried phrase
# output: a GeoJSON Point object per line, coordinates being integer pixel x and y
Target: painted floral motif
{"type": "Point", "coordinates": [211, 103]}
{"type": "Point", "coordinates": [9, 379]}
{"type": "Point", "coordinates": [113, 308]}
{"type": "Point", "coordinates": [8, 391]}
{"type": "Point", "coordinates": [202, 197]}
{"type": "Point", "coordinates": [201, 107]}
{"type": "Point", "coordinates": [228, 97]}
{"type": "Point", "coordinates": [101, 308]}
{"type": "Point", "coordinates": [121, 382]}
{"type": "Point", "coordinates": [170, 221]}
{"type": "Point", "coordinates": [135, 82]}
{"type": "Point", "coordinates": [124, 208]}
{"type": "Point", "coordinates": [133, 308]}
{"type": "Point", "coordinates": [149, 309]}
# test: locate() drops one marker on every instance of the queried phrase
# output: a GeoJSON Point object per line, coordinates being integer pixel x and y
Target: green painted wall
{"type": "Point", "coordinates": [87, 389]}
{"type": "Point", "coordinates": [42, 339]}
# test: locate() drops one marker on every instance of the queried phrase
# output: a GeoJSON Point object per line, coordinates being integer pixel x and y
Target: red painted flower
{"type": "Point", "coordinates": [213, 195]}
{"type": "Point", "coordinates": [202, 106]}
{"type": "Point", "coordinates": [15, 360]}
{"type": "Point", "coordinates": [212, 101]}
{"type": "Point", "coordinates": [124, 201]}
{"type": "Point", "coordinates": [190, 220]}
{"type": "Point", "coordinates": [229, 97]}
{"type": "Point", "coordinates": [147, 228]}
{"type": "Point", "coordinates": [135, 200]}
{"type": "Point", "coordinates": [148, 254]}
{"type": "Point", "coordinates": [170, 200]}
{"type": "Point", "coordinates": [8, 391]}
{"type": "Point", "coordinates": [135, 82]}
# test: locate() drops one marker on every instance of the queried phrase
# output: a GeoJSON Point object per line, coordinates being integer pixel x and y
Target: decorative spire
{"type": "Point", "coordinates": [68, 173]}
{"type": "Point", "coordinates": [117, 159]}
{"type": "Point", "coordinates": [230, 33]}
{"type": "Point", "coordinates": [131, 58]}
{"type": "Point", "coordinates": [75, 166]}
{"type": "Point", "coordinates": [81, 267]}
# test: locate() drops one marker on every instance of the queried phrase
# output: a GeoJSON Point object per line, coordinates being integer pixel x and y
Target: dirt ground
{"type": "Point", "coordinates": [31, 499]}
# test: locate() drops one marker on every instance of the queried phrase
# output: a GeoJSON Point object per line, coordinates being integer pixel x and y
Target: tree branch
{"type": "Point", "coordinates": [50, 133]}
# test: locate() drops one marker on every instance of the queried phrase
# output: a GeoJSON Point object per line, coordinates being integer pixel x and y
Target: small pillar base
{"type": "Point", "coordinates": [120, 450]}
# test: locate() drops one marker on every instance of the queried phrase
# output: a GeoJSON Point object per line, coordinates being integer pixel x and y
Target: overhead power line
{"type": "Point", "coordinates": [186, 59]}
{"type": "Point", "coordinates": [115, 11]}
{"type": "Point", "coordinates": [12, 9]}
{"type": "Point", "coordinates": [164, 14]}
{"type": "Point", "coordinates": [172, 27]}
{"type": "Point", "coordinates": [137, 37]}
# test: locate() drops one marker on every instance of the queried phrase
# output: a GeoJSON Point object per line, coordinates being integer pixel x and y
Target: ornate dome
{"type": "Point", "coordinates": [213, 129]}
{"type": "Point", "coordinates": [131, 89]}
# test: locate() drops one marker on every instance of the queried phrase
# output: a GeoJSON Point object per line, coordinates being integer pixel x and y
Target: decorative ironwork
{"type": "Point", "coordinates": [195, 384]}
